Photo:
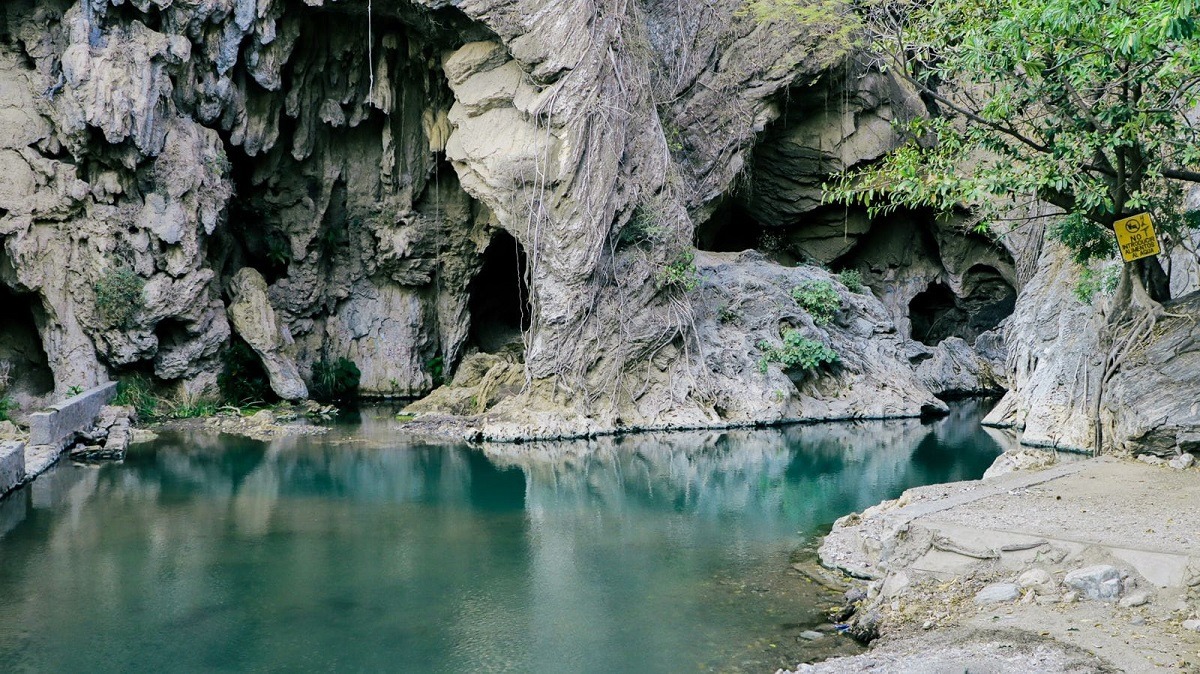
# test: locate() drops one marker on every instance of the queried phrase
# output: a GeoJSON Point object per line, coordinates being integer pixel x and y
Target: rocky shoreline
{"type": "Point", "coordinates": [1078, 566]}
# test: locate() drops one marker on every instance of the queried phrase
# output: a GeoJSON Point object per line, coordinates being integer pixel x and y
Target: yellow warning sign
{"type": "Point", "coordinates": [1136, 237]}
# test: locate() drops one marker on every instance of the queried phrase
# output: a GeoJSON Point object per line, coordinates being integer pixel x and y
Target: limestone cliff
{"type": "Point", "coordinates": [505, 194]}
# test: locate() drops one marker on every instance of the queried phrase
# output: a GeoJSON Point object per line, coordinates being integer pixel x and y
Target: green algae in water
{"type": "Point", "coordinates": [362, 551]}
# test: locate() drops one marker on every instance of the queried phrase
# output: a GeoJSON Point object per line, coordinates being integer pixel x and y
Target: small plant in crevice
{"type": "Point", "coordinates": [279, 249]}
{"type": "Point", "coordinates": [1093, 281]}
{"type": "Point", "coordinates": [819, 298]}
{"type": "Point", "coordinates": [852, 279]}
{"type": "Point", "coordinates": [243, 380]}
{"type": "Point", "coordinates": [337, 380]}
{"type": "Point", "coordinates": [673, 136]}
{"type": "Point", "coordinates": [119, 296]}
{"type": "Point", "coordinates": [330, 239]}
{"type": "Point", "coordinates": [437, 370]}
{"type": "Point", "coordinates": [726, 315]}
{"type": "Point", "coordinates": [643, 226]}
{"type": "Point", "coordinates": [797, 353]}
{"type": "Point", "coordinates": [680, 273]}
{"type": "Point", "coordinates": [6, 407]}
{"type": "Point", "coordinates": [74, 391]}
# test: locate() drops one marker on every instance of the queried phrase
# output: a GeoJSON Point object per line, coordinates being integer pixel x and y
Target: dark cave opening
{"type": "Point", "coordinates": [938, 313]}
{"type": "Point", "coordinates": [934, 314]}
{"type": "Point", "coordinates": [24, 367]}
{"type": "Point", "coordinates": [730, 229]}
{"type": "Point", "coordinates": [499, 295]}
{"type": "Point", "coordinates": [171, 332]}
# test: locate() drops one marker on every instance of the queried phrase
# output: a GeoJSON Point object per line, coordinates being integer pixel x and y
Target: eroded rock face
{"type": "Point", "coordinates": [1150, 405]}
{"type": "Point", "coordinates": [744, 306]}
{"type": "Point", "coordinates": [267, 165]}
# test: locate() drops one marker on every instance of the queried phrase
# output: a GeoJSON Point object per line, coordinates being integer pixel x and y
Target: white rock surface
{"type": "Point", "coordinates": [998, 593]}
{"type": "Point", "coordinates": [1100, 582]}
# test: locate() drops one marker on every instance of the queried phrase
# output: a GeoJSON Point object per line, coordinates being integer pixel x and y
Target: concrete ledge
{"type": "Point", "coordinates": [12, 466]}
{"type": "Point", "coordinates": [39, 458]}
{"type": "Point", "coordinates": [57, 426]}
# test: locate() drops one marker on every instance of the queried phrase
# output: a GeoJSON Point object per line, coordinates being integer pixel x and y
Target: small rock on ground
{"type": "Point", "coordinates": [1096, 582]}
{"type": "Point", "coordinates": [1182, 462]}
{"type": "Point", "coordinates": [999, 592]}
{"type": "Point", "coordinates": [1135, 599]}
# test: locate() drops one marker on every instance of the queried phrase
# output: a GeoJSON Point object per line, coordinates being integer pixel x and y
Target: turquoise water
{"type": "Point", "coordinates": [363, 551]}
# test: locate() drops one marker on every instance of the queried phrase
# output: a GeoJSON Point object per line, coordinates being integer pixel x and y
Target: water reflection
{"type": "Point", "coordinates": [362, 551]}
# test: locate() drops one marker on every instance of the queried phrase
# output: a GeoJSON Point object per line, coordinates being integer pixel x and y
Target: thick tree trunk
{"type": "Point", "coordinates": [1155, 280]}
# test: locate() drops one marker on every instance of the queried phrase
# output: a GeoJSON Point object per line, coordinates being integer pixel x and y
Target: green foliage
{"type": "Point", "coordinates": [330, 239]}
{"type": "Point", "coordinates": [6, 407]}
{"type": "Point", "coordinates": [242, 380]}
{"type": "Point", "coordinates": [189, 408]}
{"type": "Point", "coordinates": [137, 391]}
{"type": "Point", "coordinates": [819, 298]}
{"type": "Point", "coordinates": [279, 249]}
{"type": "Point", "coordinates": [119, 296]}
{"type": "Point", "coordinates": [437, 370]}
{"type": "Point", "coordinates": [726, 315]}
{"type": "Point", "coordinates": [797, 353]}
{"type": "Point", "coordinates": [681, 273]}
{"type": "Point", "coordinates": [673, 136]}
{"type": "Point", "coordinates": [1081, 104]}
{"type": "Point", "coordinates": [334, 381]}
{"type": "Point", "coordinates": [643, 226]}
{"type": "Point", "coordinates": [852, 279]}
{"type": "Point", "coordinates": [74, 391]}
{"type": "Point", "coordinates": [1091, 282]}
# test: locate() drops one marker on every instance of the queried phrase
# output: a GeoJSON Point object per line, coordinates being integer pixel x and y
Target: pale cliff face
{"type": "Point", "coordinates": [279, 173]}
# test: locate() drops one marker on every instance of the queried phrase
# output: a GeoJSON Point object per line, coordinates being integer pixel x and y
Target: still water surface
{"type": "Point", "coordinates": [364, 551]}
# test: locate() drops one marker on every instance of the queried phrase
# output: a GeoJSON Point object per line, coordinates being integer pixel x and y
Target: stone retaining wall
{"type": "Point", "coordinates": [12, 466]}
{"type": "Point", "coordinates": [58, 425]}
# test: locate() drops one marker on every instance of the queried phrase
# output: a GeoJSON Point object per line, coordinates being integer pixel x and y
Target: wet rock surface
{"type": "Point", "coordinates": [109, 439]}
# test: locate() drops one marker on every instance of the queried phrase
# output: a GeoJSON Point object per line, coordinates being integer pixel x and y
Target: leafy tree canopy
{"type": "Point", "coordinates": [1084, 104]}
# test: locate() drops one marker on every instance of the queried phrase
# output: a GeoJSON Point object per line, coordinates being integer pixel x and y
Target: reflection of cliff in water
{"type": "Point", "coordinates": [536, 557]}
{"type": "Point", "coordinates": [817, 472]}
{"type": "Point", "coordinates": [804, 474]}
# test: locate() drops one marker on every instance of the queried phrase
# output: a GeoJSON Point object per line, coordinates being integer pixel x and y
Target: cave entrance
{"type": "Point", "coordinates": [934, 314]}
{"type": "Point", "coordinates": [938, 313]}
{"type": "Point", "coordinates": [730, 229]}
{"type": "Point", "coordinates": [24, 368]}
{"type": "Point", "coordinates": [499, 295]}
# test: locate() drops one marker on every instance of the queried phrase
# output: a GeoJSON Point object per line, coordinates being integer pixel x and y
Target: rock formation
{"type": "Point", "coordinates": [502, 194]}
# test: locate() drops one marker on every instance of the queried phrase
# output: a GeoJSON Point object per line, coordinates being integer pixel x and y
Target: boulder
{"type": "Point", "coordinates": [255, 321]}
